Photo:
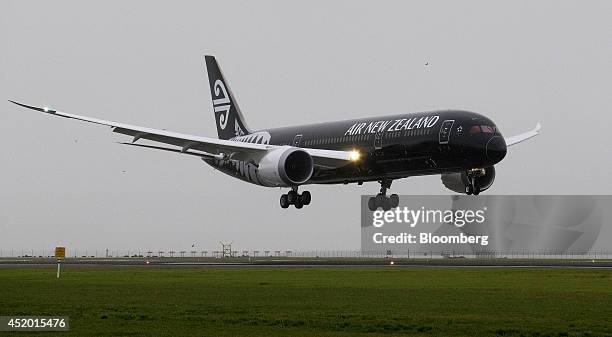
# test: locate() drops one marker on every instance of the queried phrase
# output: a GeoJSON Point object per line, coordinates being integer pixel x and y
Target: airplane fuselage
{"type": "Point", "coordinates": [391, 147]}
{"type": "Point", "coordinates": [461, 146]}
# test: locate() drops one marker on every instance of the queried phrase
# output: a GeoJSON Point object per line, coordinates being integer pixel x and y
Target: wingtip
{"type": "Point", "coordinates": [45, 109]}
{"type": "Point", "coordinates": [538, 127]}
{"type": "Point", "coordinates": [21, 104]}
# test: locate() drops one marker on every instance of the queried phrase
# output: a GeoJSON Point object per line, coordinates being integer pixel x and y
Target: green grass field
{"type": "Point", "coordinates": [316, 301]}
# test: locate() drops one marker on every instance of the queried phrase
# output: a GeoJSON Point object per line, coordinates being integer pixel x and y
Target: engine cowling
{"type": "Point", "coordinates": [286, 166]}
{"type": "Point", "coordinates": [457, 182]}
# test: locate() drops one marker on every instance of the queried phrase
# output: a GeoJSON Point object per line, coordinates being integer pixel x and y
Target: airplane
{"type": "Point", "coordinates": [460, 146]}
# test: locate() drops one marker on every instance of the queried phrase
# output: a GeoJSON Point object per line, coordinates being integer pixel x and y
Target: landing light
{"type": "Point", "coordinates": [354, 155]}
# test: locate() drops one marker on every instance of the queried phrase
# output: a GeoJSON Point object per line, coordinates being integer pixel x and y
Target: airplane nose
{"type": "Point", "coordinates": [496, 149]}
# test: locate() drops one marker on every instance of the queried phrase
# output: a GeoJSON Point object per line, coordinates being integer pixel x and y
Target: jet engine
{"type": "Point", "coordinates": [285, 167]}
{"type": "Point", "coordinates": [458, 182]}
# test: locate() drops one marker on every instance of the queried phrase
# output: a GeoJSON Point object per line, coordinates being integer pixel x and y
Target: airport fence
{"type": "Point", "coordinates": [321, 254]}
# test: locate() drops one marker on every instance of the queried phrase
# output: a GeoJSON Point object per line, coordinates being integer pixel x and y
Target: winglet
{"type": "Point", "coordinates": [43, 109]}
{"type": "Point", "coordinates": [524, 136]}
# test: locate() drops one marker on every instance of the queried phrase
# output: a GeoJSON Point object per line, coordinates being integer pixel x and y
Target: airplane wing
{"type": "Point", "coordinates": [207, 147]}
{"type": "Point", "coordinates": [523, 136]}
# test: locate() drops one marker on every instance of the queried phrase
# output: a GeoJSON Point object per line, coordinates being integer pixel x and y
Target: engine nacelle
{"type": "Point", "coordinates": [457, 182]}
{"type": "Point", "coordinates": [285, 167]}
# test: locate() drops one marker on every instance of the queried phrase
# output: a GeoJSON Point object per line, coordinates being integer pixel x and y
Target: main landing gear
{"type": "Point", "coordinates": [294, 198]}
{"type": "Point", "coordinates": [381, 200]}
{"type": "Point", "coordinates": [473, 187]}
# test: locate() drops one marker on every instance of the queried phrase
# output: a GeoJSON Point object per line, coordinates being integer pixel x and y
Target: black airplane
{"type": "Point", "coordinates": [461, 146]}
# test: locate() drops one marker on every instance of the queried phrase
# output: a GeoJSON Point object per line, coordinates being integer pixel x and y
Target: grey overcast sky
{"type": "Point", "coordinates": [288, 62]}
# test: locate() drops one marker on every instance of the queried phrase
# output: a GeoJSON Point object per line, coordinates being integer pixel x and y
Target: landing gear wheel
{"type": "Point", "coordinates": [469, 189]}
{"type": "Point", "coordinates": [372, 204]}
{"type": "Point", "coordinates": [292, 196]}
{"type": "Point", "coordinates": [306, 197]}
{"type": "Point", "coordinates": [386, 204]}
{"type": "Point", "coordinates": [284, 201]}
{"type": "Point", "coordinates": [380, 200]}
{"type": "Point", "coordinates": [394, 200]}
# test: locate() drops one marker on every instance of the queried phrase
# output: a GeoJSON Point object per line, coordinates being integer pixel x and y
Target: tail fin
{"type": "Point", "coordinates": [229, 119]}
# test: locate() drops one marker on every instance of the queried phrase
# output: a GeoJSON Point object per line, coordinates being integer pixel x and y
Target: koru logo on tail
{"type": "Point", "coordinates": [221, 103]}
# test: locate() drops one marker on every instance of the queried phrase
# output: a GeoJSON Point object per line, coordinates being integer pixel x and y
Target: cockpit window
{"type": "Point", "coordinates": [487, 129]}
{"type": "Point", "coordinates": [483, 129]}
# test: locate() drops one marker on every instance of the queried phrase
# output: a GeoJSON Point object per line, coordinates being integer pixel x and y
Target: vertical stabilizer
{"type": "Point", "coordinates": [228, 117]}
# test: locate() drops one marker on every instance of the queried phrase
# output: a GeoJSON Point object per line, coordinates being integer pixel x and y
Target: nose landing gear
{"type": "Point", "coordinates": [294, 198]}
{"type": "Point", "coordinates": [473, 187]}
{"type": "Point", "coordinates": [381, 200]}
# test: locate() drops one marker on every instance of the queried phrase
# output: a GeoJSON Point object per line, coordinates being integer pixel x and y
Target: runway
{"type": "Point", "coordinates": [194, 263]}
